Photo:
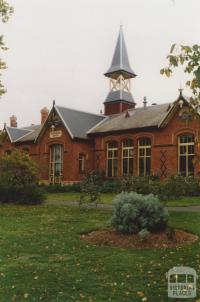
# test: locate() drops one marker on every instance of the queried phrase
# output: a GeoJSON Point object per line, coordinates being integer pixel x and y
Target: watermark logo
{"type": "Point", "coordinates": [181, 282]}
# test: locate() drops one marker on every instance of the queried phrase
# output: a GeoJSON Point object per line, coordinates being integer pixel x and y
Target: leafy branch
{"type": "Point", "coordinates": [5, 12]}
{"type": "Point", "coordinates": [189, 58]}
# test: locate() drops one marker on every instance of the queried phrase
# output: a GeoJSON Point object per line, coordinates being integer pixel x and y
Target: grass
{"type": "Point", "coordinates": [107, 198]}
{"type": "Point", "coordinates": [185, 201]}
{"type": "Point", "coordinates": [43, 259]}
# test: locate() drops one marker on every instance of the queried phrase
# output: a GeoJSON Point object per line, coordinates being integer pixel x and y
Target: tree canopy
{"type": "Point", "coordinates": [5, 12]}
{"type": "Point", "coordinates": [18, 169]}
{"type": "Point", "coordinates": [189, 58]}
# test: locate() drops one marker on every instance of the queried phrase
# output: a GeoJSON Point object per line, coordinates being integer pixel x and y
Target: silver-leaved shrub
{"type": "Point", "coordinates": [134, 212]}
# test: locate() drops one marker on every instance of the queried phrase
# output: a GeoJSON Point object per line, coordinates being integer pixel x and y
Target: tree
{"type": "Point", "coordinates": [18, 169]}
{"type": "Point", "coordinates": [189, 58]}
{"type": "Point", "coordinates": [5, 12]}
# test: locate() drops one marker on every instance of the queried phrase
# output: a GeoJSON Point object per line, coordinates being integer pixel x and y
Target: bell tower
{"type": "Point", "coordinates": [120, 74]}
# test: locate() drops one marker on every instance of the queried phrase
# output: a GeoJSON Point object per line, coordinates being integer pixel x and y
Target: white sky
{"type": "Point", "coordinates": [60, 50]}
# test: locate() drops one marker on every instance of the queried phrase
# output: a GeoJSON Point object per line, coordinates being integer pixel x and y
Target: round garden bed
{"type": "Point", "coordinates": [155, 240]}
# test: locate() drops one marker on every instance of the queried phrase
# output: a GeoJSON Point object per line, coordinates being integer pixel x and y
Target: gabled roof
{"type": "Point", "coordinates": [150, 116]}
{"type": "Point", "coordinates": [120, 62]}
{"type": "Point", "coordinates": [78, 122]}
{"type": "Point", "coordinates": [32, 135]}
{"type": "Point", "coordinates": [23, 134]}
{"type": "Point", "coordinates": [137, 118]}
{"type": "Point", "coordinates": [119, 95]}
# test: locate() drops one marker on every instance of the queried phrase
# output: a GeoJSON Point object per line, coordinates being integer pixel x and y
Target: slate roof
{"type": "Point", "coordinates": [136, 118]}
{"type": "Point", "coordinates": [23, 134]}
{"type": "Point", "coordinates": [119, 95]}
{"type": "Point", "coordinates": [31, 136]}
{"type": "Point", "coordinates": [78, 122]}
{"type": "Point", "coordinates": [120, 62]}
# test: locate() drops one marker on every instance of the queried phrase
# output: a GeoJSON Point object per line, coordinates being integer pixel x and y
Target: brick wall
{"type": "Point", "coordinates": [164, 144]}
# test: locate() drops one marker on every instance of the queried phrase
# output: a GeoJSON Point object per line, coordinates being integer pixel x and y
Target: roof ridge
{"type": "Point", "coordinates": [83, 111]}
{"type": "Point", "coordinates": [25, 128]}
{"type": "Point", "coordinates": [16, 128]}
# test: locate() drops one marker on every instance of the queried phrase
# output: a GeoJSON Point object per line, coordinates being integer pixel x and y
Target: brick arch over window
{"type": "Point", "coordinates": [112, 158]}
{"type": "Point", "coordinates": [186, 153]}
{"type": "Point", "coordinates": [144, 156]}
{"type": "Point", "coordinates": [184, 131]}
{"type": "Point", "coordinates": [55, 142]}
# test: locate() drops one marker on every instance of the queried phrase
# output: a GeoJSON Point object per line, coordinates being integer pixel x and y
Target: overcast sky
{"type": "Point", "coordinates": [60, 50]}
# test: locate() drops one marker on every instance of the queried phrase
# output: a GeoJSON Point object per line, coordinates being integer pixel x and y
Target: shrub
{"type": "Point", "coordinates": [134, 212]}
{"type": "Point", "coordinates": [110, 186]}
{"type": "Point", "coordinates": [141, 185]}
{"type": "Point", "coordinates": [18, 169]}
{"type": "Point", "coordinates": [27, 194]}
{"type": "Point", "coordinates": [144, 234]}
{"type": "Point", "coordinates": [90, 189]}
{"type": "Point", "coordinates": [178, 186]}
{"type": "Point", "coordinates": [57, 188]}
{"type": "Point", "coordinates": [19, 176]}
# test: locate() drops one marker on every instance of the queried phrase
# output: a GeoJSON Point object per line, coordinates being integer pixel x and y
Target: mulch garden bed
{"type": "Point", "coordinates": [155, 240]}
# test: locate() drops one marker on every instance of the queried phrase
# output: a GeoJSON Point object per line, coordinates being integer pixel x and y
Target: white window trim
{"type": "Point", "coordinates": [186, 154]}
{"type": "Point", "coordinates": [145, 157]}
{"type": "Point", "coordinates": [113, 149]}
{"type": "Point", "coordinates": [129, 149]}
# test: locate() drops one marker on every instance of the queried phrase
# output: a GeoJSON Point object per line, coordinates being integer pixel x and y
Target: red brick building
{"type": "Point", "coordinates": [160, 139]}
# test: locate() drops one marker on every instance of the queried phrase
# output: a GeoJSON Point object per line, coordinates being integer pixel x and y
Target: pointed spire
{"type": "Point", "coordinates": [120, 63]}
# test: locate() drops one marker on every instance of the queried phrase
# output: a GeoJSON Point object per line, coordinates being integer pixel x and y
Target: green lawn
{"type": "Point", "coordinates": [107, 198]}
{"type": "Point", "coordinates": [42, 258]}
{"type": "Point", "coordinates": [69, 196]}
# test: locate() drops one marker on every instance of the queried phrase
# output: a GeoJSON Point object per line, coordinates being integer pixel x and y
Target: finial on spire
{"type": "Point", "coordinates": [54, 102]}
{"type": "Point", "coordinates": [120, 63]}
{"type": "Point", "coordinates": [181, 91]}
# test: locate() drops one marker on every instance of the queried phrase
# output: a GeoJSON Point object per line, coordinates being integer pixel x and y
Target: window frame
{"type": "Point", "coordinates": [187, 154]}
{"type": "Point", "coordinates": [53, 162]}
{"type": "Point", "coordinates": [81, 160]}
{"type": "Point", "coordinates": [113, 158]}
{"type": "Point", "coordinates": [145, 156]}
{"type": "Point", "coordinates": [129, 157]}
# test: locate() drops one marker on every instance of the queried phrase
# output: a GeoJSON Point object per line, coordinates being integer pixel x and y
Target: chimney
{"type": "Point", "coordinates": [44, 114]}
{"type": "Point", "coordinates": [13, 121]}
{"type": "Point", "coordinates": [145, 102]}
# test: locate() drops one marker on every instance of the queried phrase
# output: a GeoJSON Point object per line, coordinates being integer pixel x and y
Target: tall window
{"type": "Point", "coordinates": [144, 156]}
{"type": "Point", "coordinates": [127, 157]}
{"type": "Point", "coordinates": [186, 154]}
{"type": "Point", "coordinates": [56, 163]}
{"type": "Point", "coordinates": [112, 159]}
{"type": "Point", "coordinates": [81, 163]}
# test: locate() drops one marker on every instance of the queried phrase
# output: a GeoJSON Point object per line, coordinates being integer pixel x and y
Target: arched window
{"type": "Point", "coordinates": [186, 154]}
{"type": "Point", "coordinates": [127, 157]}
{"type": "Point", "coordinates": [112, 159]}
{"type": "Point", "coordinates": [81, 163]}
{"type": "Point", "coordinates": [144, 156]}
{"type": "Point", "coordinates": [56, 163]}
